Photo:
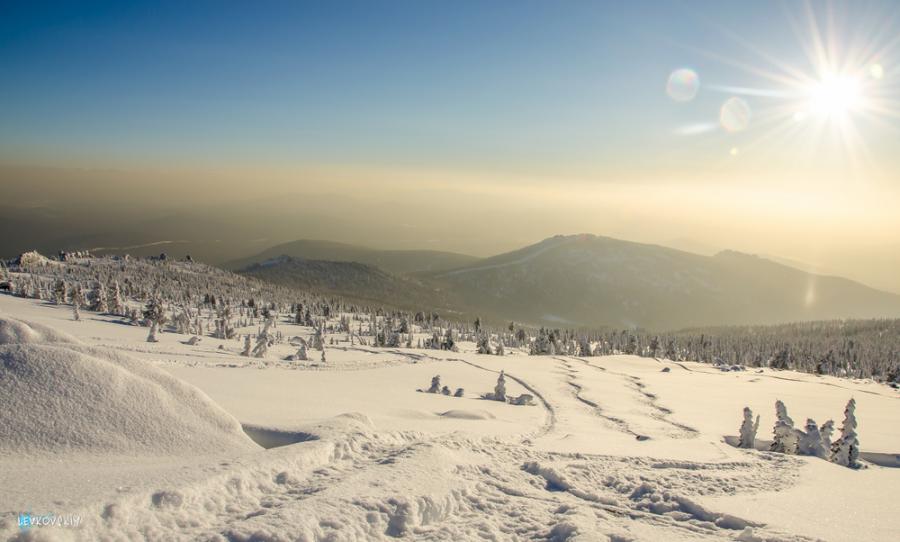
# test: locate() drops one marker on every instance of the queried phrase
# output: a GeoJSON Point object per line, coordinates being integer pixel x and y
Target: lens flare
{"type": "Point", "coordinates": [683, 85]}
{"type": "Point", "coordinates": [735, 114]}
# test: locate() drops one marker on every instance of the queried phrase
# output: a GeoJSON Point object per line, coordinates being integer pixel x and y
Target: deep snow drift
{"type": "Point", "coordinates": [60, 397]}
{"type": "Point", "coordinates": [614, 448]}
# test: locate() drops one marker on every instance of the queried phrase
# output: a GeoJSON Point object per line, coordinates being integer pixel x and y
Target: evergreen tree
{"type": "Point", "coordinates": [155, 314]}
{"type": "Point", "coordinates": [99, 296]}
{"type": "Point", "coordinates": [748, 430]}
{"type": "Point", "coordinates": [845, 450]}
{"type": "Point", "coordinates": [60, 292]}
{"type": "Point", "coordinates": [484, 344]}
{"type": "Point", "coordinates": [435, 384]}
{"type": "Point", "coordinates": [115, 303]}
{"type": "Point", "coordinates": [811, 441]}
{"type": "Point", "coordinates": [500, 389]}
{"type": "Point", "coordinates": [825, 432]}
{"type": "Point", "coordinates": [654, 346]}
{"type": "Point", "coordinates": [785, 435]}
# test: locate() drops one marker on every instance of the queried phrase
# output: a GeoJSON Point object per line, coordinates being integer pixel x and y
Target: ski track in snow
{"type": "Point", "coordinates": [657, 411]}
{"type": "Point", "coordinates": [617, 423]}
{"type": "Point", "coordinates": [788, 379]}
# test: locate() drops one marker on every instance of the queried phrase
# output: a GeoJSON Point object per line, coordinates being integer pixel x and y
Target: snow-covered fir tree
{"type": "Point", "coordinates": [60, 292]}
{"type": "Point", "coordinates": [500, 388]}
{"type": "Point", "coordinates": [155, 314]}
{"type": "Point", "coordinates": [483, 344]}
{"type": "Point", "coordinates": [435, 384]}
{"type": "Point", "coordinates": [811, 441]}
{"type": "Point", "coordinates": [826, 431]}
{"type": "Point", "coordinates": [845, 450]}
{"type": "Point", "coordinates": [99, 298]}
{"type": "Point", "coordinates": [749, 428]}
{"type": "Point", "coordinates": [786, 438]}
{"type": "Point", "coordinates": [114, 302]}
{"type": "Point", "coordinates": [262, 340]}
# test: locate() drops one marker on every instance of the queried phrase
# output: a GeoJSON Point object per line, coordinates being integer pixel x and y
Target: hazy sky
{"type": "Point", "coordinates": [556, 113]}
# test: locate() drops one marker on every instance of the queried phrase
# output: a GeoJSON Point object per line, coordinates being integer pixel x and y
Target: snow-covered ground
{"type": "Point", "coordinates": [614, 448]}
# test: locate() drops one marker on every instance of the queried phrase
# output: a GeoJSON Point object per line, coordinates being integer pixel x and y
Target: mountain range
{"type": "Point", "coordinates": [577, 281]}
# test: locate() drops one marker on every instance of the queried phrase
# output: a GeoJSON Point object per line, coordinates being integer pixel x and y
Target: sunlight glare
{"type": "Point", "coordinates": [835, 96]}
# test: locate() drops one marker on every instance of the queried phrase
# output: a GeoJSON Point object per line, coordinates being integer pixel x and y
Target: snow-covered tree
{"type": "Point", "coordinates": [78, 295]}
{"type": "Point", "coordinates": [248, 346]}
{"type": "Point", "coordinates": [155, 314]}
{"type": "Point", "coordinates": [845, 450]}
{"type": "Point", "coordinates": [785, 435]}
{"type": "Point", "coordinates": [262, 340]}
{"type": "Point", "coordinates": [435, 384]}
{"type": "Point", "coordinates": [484, 344]}
{"type": "Point", "coordinates": [811, 441]}
{"type": "Point", "coordinates": [654, 346]}
{"type": "Point", "coordinates": [318, 342]}
{"type": "Point", "coordinates": [500, 388]}
{"type": "Point", "coordinates": [114, 301]}
{"type": "Point", "coordinates": [826, 431]}
{"type": "Point", "coordinates": [301, 353]}
{"type": "Point", "coordinates": [98, 297]}
{"type": "Point", "coordinates": [748, 430]}
{"type": "Point", "coordinates": [60, 292]}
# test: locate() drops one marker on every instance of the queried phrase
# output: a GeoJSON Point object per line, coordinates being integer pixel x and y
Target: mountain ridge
{"type": "Point", "coordinates": [586, 280]}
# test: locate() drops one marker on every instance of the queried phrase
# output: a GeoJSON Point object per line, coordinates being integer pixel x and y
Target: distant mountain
{"type": "Point", "coordinates": [586, 280]}
{"type": "Point", "coordinates": [352, 280]}
{"type": "Point", "coordinates": [394, 261]}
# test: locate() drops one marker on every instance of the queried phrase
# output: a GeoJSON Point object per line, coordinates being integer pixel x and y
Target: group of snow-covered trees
{"type": "Point", "coordinates": [854, 348]}
{"type": "Point", "coordinates": [436, 387]}
{"type": "Point", "coordinates": [201, 299]}
{"type": "Point", "coordinates": [186, 297]}
{"type": "Point", "coordinates": [812, 440]}
{"type": "Point", "coordinates": [847, 348]}
{"type": "Point", "coordinates": [499, 393]}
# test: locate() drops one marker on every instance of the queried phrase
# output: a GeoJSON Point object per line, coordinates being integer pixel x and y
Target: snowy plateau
{"type": "Point", "coordinates": [186, 439]}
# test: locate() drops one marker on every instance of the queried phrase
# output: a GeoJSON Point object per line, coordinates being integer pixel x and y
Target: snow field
{"type": "Point", "coordinates": [614, 448]}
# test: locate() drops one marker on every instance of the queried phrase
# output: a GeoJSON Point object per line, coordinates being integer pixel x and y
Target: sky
{"type": "Point", "coordinates": [786, 146]}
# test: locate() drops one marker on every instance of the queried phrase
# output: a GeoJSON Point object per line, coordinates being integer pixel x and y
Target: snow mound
{"type": "Point", "coordinates": [14, 331]}
{"type": "Point", "coordinates": [467, 415]}
{"type": "Point", "coordinates": [63, 398]}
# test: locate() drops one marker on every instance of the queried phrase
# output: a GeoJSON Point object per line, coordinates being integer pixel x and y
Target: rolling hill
{"type": "Point", "coordinates": [394, 261]}
{"type": "Point", "coordinates": [352, 280]}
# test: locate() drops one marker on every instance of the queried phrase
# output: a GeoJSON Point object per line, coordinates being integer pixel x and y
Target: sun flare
{"type": "Point", "coordinates": [835, 96]}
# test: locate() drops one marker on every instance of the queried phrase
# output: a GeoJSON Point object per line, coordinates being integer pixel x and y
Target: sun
{"type": "Point", "coordinates": [835, 96]}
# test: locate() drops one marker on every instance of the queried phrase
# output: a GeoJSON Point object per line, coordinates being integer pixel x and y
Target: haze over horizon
{"type": "Point", "coordinates": [467, 127]}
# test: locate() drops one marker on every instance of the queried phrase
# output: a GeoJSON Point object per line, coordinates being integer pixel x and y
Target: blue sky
{"type": "Point", "coordinates": [524, 84]}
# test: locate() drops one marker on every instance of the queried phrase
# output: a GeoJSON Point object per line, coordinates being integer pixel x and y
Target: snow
{"type": "Point", "coordinates": [144, 440]}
